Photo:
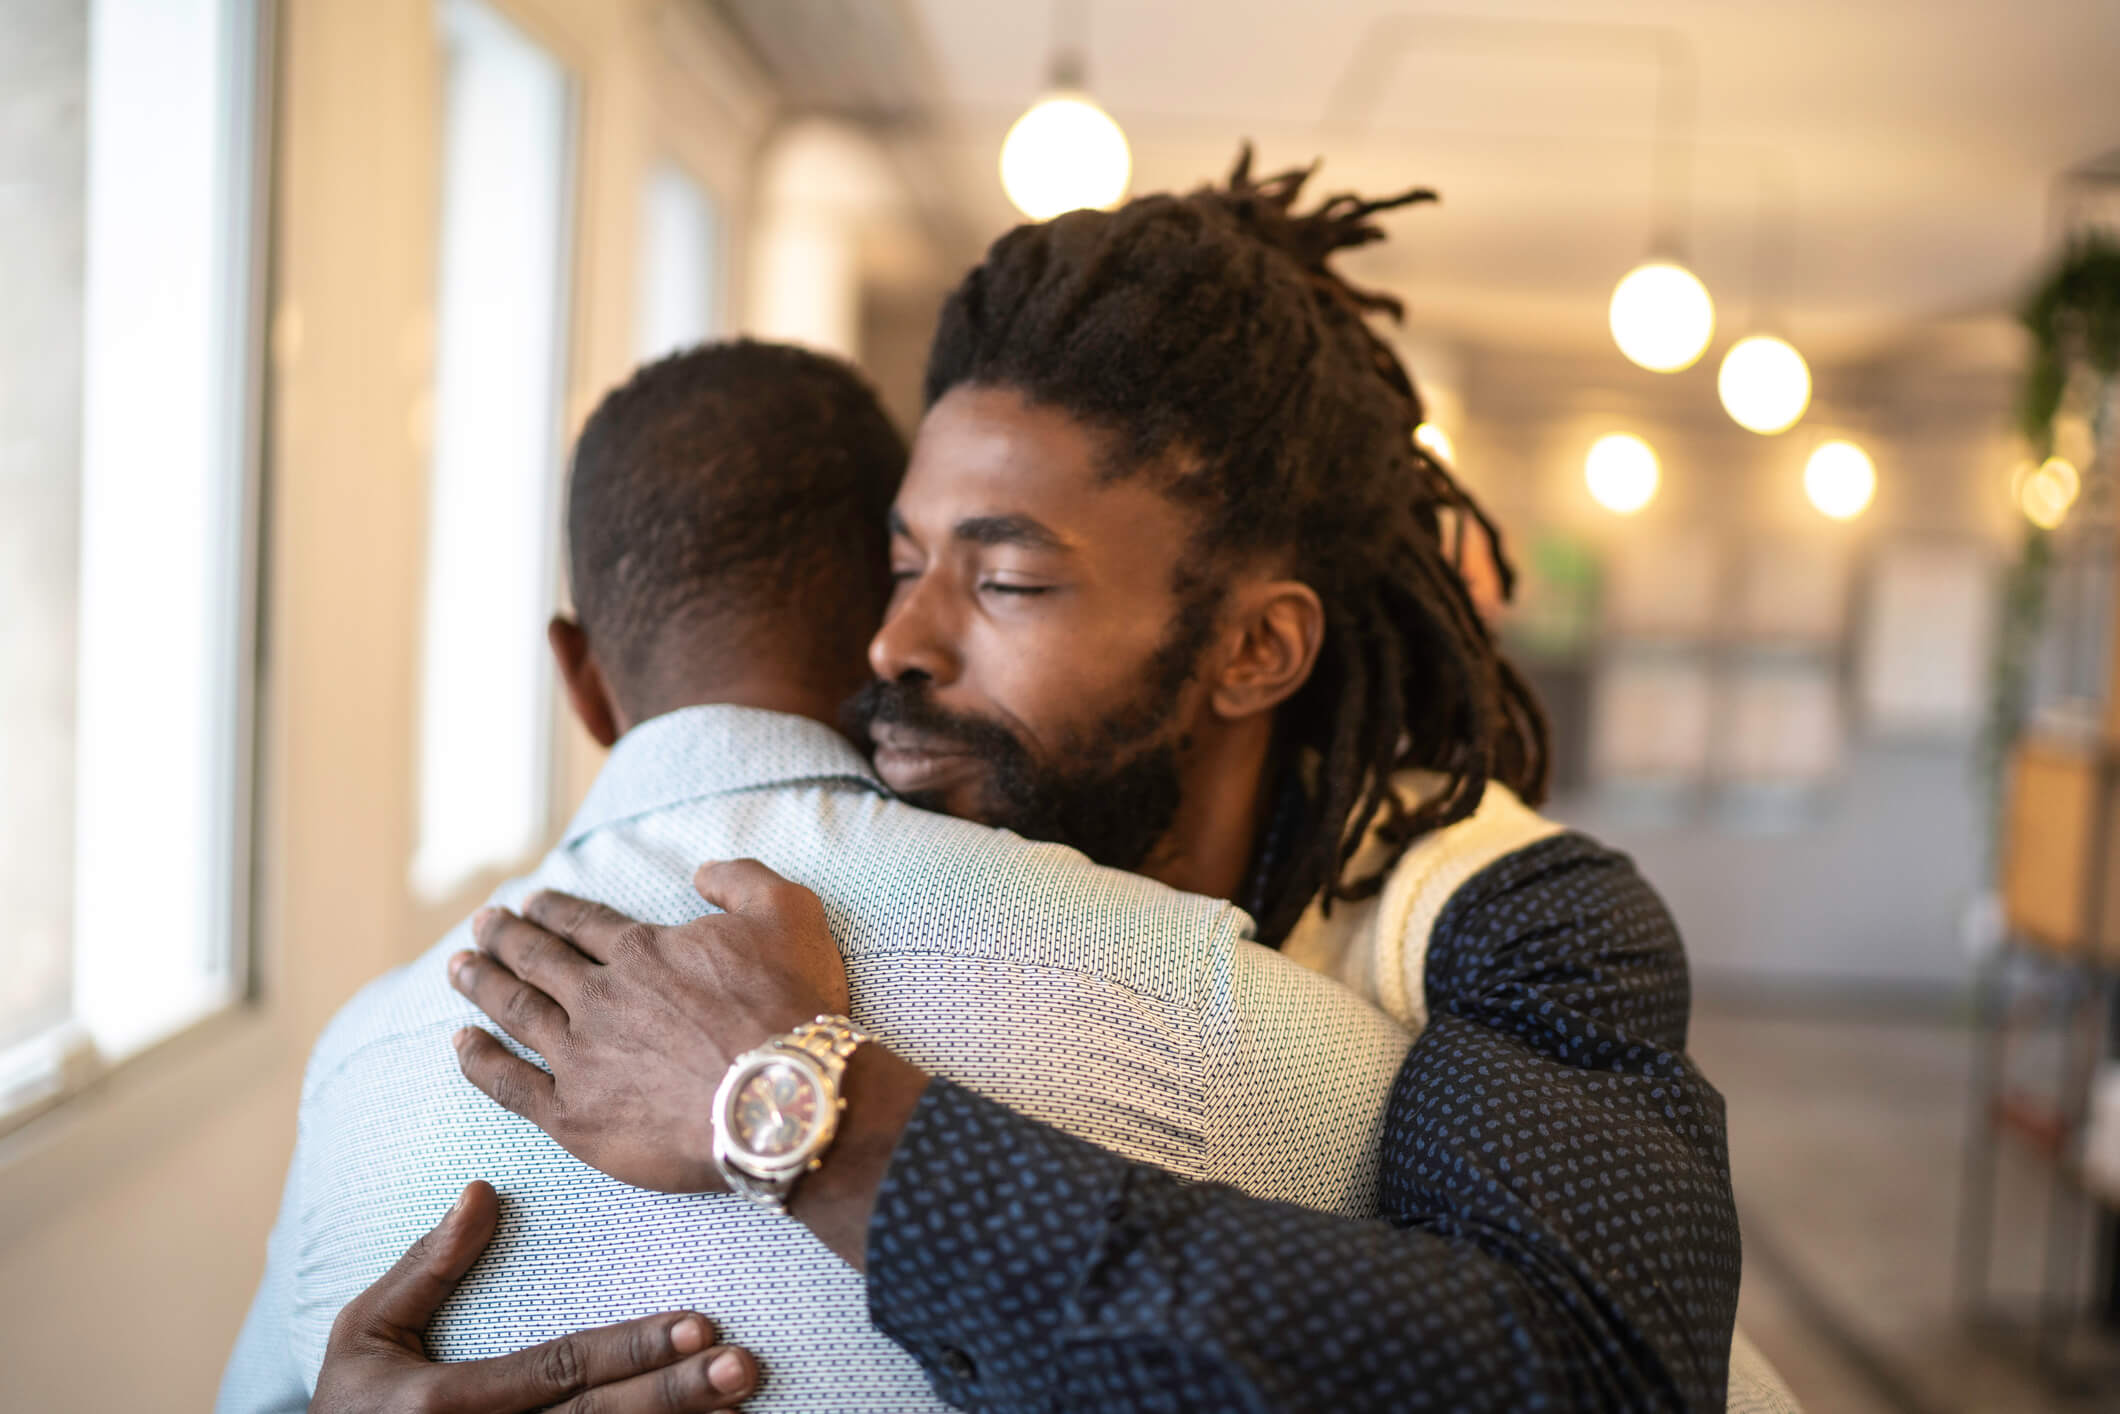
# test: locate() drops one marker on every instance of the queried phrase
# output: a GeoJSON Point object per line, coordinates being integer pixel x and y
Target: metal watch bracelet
{"type": "Point", "coordinates": [825, 1044]}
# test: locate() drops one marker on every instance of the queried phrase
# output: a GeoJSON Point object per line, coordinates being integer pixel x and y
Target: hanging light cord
{"type": "Point", "coordinates": [1070, 63]}
{"type": "Point", "coordinates": [1773, 239]}
{"type": "Point", "coordinates": [1677, 122]}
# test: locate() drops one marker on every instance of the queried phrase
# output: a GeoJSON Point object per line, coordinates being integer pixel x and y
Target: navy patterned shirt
{"type": "Point", "coordinates": [1559, 1231]}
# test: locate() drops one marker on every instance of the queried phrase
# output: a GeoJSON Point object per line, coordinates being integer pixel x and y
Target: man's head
{"type": "Point", "coordinates": [1041, 669]}
{"type": "Point", "coordinates": [1167, 552]}
{"type": "Point", "coordinates": [725, 526]}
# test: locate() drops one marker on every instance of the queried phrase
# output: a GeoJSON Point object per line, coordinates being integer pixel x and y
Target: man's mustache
{"type": "Point", "coordinates": [908, 704]}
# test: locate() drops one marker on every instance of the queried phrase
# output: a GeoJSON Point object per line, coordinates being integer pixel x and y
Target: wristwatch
{"type": "Point", "coordinates": [778, 1109]}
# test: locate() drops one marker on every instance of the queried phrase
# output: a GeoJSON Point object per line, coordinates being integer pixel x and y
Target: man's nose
{"type": "Point", "coordinates": [918, 636]}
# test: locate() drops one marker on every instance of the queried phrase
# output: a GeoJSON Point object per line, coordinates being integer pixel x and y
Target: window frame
{"type": "Point", "coordinates": [558, 31]}
{"type": "Point", "coordinates": [58, 1092]}
{"type": "Point", "coordinates": [695, 101]}
{"type": "Point", "coordinates": [666, 158]}
{"type": "Point", "coordinates": [443, 900]}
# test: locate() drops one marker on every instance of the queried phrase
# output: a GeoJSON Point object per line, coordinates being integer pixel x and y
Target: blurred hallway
{"type": "Point", "coordinates": [1847, 1149]}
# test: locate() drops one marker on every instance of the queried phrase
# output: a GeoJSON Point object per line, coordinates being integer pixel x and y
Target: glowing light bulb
{"type": "Point", "coordinates": [1661, 316]}
{"type": "Point", "coordinates": [2042, 508]}
{"type": "Point", "coordinates": [1764, 383]}
{"type": "Point", "coordinates": [1064, 154]}
{"type": "Point", "coordinates": [2061, 474]}
{"type": "Point", "coordinates": [1436, 442]}
{"type": "Point", "coordinates": [1622, 473]}
{"type": "Point", "coordinates": [2045, 493]}
{"type": "Point", "coordinates": [1840, 479]}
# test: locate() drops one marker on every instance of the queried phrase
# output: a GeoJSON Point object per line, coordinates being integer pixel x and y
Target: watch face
{"type": "Point", "coordinates": [775, 1109]}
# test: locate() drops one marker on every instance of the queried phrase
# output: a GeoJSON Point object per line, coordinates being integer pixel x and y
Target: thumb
{"type": "Point", "coordinates": [406, 1297]}
{"type": "Point", "coordinates": [741, 885]}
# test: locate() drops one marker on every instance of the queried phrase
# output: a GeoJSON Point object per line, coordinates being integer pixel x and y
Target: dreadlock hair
{"type": "Point", "coordinates": [740, 489]}
{"type": "Point", "coordinates": [1208, 337]}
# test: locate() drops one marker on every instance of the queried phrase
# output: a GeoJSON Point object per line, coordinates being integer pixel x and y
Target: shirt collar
{"type": "Point", "coordinates": [696, 752]}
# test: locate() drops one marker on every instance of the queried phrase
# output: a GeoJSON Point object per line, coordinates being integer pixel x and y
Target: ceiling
{"type": "Point", "coordinates": [1908, 148]}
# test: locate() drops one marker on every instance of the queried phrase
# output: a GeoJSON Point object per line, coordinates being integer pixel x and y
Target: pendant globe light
{"type": "Point", "coordinates": [1661, 314]}
{"type": "Point", "coordinates": [1764, 382]}
{"type": "Point", "coordinates": [1622, 473]}
{"type": "Point", "coordinates": [2046, 492]}
{"type": "Point", "coordinates": [1840, 479]}
{"type": "Point", "coordinates": [1436, 442]}
{"type": "Point", "coordinates": [1065, 152]}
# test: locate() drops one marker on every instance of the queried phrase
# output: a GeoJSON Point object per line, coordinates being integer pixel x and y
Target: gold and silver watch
{"type": "Point", "coordinates": [778, 1109]}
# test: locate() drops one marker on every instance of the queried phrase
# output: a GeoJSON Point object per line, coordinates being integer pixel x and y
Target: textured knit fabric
{"type": "Point", "coordinates": [1558, 1234]}
{"type": "Point", "coordinates": [1379, 945]}
{"type": "Point", "coordinates": [1123, 1012]}
{"type": "Point", "coordinates": [1755, 1386]}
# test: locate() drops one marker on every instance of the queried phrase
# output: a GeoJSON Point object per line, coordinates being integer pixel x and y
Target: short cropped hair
{"type": "Point", "coordinates": [731, 489]}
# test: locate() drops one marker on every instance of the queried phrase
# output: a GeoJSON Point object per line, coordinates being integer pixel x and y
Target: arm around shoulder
{"type": "Point", "coordinates": [1558, 1225]}
{"type": "Point", "coordinates": [1550, 1115]}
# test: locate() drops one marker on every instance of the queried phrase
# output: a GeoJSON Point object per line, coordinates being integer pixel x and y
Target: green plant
{"type": "Point", "coordinates": [2073, 317]}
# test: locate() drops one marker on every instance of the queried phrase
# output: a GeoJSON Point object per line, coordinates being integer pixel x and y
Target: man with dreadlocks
{"type": "Point", "coordinates": [1169, 588]}
{"type": "Point", "coordinates": [1229, 647]}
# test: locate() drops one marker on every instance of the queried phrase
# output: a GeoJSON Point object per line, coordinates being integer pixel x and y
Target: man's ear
{"type": "Point", "coordinates": [1273, 631]}
{"type": "Point", "coordinates": [586, 688]}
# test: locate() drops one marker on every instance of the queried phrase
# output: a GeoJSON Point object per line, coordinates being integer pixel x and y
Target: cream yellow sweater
{"type": "Point", "coordinates": [1379, 945]}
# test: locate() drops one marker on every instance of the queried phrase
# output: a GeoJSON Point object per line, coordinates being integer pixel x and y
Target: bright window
{"type": "Point", "coordinates": [126, 563]}
{"type": "Point", "coordinates": [680, 264]}
{"type": "Point", "coordinates": [501, 338]}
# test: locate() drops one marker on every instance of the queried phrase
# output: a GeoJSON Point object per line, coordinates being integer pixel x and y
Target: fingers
{"type": "Point", "coordinates": [712, 1379]}
{"type": "Point", "coordinates": [516, 1007]}
{"type": "Point", "coordinates": [754, 900]}
{"type": "Point", "coordinates": [406, 1297]}
{"type": "Point", "coordinates": [590, 927]}
{"type": "Point", "coordinates": [744, 886]}
{"type": "Point", "coordinates": [618, 1369]}
{"type": "Point", "coordinates": [508, 1080]}
{"type": "Point", "coordinates": [549, 963]}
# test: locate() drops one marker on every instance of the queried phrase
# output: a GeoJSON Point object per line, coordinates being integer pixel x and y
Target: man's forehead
{"type": "Point", "coordinates": [975, 436]}
{"type": "Point", "coordinates": [993, 467]}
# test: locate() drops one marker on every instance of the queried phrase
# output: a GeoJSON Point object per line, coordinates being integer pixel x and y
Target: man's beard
{"type": "Point", "coordinates": [1111, 791]}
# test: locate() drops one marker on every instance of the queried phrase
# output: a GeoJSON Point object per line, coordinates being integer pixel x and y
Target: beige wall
{"type": "Point", "coordinates": [133, 1219]}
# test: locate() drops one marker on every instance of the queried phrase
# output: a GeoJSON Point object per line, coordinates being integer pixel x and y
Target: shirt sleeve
{"type": "Point", "coordinates": [1558, 1228]}
{"type": "Point", "coordinates": [263, 1376]}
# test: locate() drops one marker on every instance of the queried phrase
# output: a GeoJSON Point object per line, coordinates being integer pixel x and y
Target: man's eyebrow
{"type": "Point", "coordinates": [1023, 530]}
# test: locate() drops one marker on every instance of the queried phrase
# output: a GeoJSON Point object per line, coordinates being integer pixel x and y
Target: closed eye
{"type": "Point", "coordinates": [998, 587]}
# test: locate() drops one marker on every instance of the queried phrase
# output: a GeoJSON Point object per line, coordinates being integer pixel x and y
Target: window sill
{"type": "Point", "coordinates": [39, 1074]}
{"type": "Point", "coordinates": [76, 1143]}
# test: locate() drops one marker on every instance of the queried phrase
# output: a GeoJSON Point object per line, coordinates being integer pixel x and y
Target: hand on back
{"type": "Point", "coordinates": [639, 1023]}
{"type": "Point", "coordinates": [377, 1360]}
